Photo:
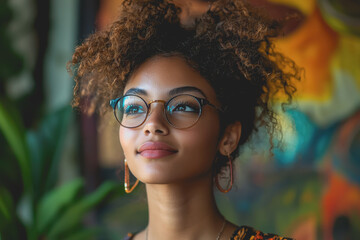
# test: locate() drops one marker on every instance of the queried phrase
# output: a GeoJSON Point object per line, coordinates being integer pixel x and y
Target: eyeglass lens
{"type": "Point", "coordinates": [181, 111]}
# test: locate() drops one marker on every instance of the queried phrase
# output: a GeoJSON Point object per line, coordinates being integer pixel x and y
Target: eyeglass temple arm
{"type": "Point", "coordinates": [206, 102]}
{"type": "Point", "coordinates": [113, 102]}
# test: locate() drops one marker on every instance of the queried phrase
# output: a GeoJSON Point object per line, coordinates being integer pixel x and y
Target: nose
{"type": "Point", "coordinates": [156, 122]}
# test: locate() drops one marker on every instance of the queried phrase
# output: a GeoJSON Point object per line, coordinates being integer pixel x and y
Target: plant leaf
{"type": "Point", "coordinates": [74, 214]}
{"type": "Point", "coordinates": [53, 202]}
{"type": "Point", "coordinates": [14, 133]}
{"type": "Point", "coordinates": [8, 219]}
{"type": "Point", "coordinates": [6, 205]}
{"type": "Point", "coordinates": [46, 145]}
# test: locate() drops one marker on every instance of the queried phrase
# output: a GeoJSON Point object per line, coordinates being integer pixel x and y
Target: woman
{"type": "Point", "coordinates": [187, 96]}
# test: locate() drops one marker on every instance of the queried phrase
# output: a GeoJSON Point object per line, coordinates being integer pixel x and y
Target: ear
{"type": "Point", "coordinates": [230, 139]}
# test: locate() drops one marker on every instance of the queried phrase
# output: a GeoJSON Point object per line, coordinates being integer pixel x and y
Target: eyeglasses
{"type": "Point", "coordinates": [181, 111]}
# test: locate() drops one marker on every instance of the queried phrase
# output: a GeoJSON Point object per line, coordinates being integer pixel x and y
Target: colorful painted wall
{"type": "Point", "coordinates": [311, 187]}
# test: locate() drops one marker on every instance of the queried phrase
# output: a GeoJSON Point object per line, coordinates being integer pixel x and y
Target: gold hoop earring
{"type": "Point", "coordinates": [127, 187]}
{"type": "Point", "coordinates": [231, 178]}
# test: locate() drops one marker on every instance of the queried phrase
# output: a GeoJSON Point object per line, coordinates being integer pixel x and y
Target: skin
{"type": "Point", "coordinates": [179, 186]}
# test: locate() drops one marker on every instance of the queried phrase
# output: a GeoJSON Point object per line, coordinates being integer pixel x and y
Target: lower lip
{"type": "Point", "coordinates": [154, 154]}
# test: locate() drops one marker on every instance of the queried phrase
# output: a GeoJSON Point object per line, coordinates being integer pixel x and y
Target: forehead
{"type": "Point", "coordinates": [159, 75]}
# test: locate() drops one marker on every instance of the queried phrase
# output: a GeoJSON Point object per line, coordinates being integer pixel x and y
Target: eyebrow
{"type": "Point", "coordinates": [185, 89]}
{"type": "Point", "coordinates": [172, 92]}
{"type": "Point", "coordinates": [136, 91]}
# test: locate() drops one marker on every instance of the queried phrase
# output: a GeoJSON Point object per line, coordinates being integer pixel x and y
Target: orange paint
{"type": "Point", "coordinates": [312, 47]}
{"type": "Point", "coordinates": [340, 198]}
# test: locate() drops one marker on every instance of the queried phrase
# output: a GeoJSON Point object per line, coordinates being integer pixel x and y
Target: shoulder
{"type": "Point", "coordinates": [247, 233]}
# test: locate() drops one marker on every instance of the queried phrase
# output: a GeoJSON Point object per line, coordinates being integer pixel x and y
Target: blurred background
{"type": "Point", "coordinates": [61, 171]}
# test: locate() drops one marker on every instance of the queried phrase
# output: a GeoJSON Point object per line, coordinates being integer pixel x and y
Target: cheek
{"type": "Point", "coordinates": [202, 143]}
{"type": "Point", "coordinates": [126, 138]}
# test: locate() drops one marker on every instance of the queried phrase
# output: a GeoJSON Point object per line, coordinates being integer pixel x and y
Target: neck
{"type": "Point", "coordinates": [183, 210]}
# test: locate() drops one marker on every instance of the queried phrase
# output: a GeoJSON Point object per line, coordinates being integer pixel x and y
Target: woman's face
{"type": "Point", "coordinates": [157, 152]}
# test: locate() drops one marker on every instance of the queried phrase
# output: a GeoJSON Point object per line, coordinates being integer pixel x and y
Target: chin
{"type": "Point", "coordinates": [173, 177]}
{"type": "Point", "coordinates": [159, 178]}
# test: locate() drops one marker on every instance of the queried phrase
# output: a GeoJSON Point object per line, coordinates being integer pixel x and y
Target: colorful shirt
{"type": "Point", "coordinates": [248, 233]}
{"type": "Point", "coordinates": [242, 233]}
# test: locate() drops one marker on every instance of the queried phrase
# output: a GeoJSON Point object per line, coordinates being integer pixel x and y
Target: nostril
{"type": "Point", "coordinates": [159, 131]}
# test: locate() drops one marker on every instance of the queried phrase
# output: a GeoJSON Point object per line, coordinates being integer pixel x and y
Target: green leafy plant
{"type": "Point", "coordinates": [44, 210]}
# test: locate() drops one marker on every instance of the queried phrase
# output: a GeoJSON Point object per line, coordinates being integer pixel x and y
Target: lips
{"type": "Point", "coordinates": [154, 150]}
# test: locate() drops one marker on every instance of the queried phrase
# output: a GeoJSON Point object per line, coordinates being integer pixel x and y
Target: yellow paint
{"type": "Point", "coordinates": [312, 47]}
{"type": "Point", "coordinates": [347, 57]}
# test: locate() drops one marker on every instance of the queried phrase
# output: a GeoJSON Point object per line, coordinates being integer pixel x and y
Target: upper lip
{"type": "Point", "coordinates": [156, 146]}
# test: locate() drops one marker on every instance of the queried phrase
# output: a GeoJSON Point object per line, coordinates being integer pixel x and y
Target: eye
{"type": "Point", "coordinates": [134, 109]}
{"type": "Point", "coordinates": [184, 107]}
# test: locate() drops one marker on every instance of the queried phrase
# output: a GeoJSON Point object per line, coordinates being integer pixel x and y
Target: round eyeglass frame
{"type": "Point", "coordinates": [202, 102]}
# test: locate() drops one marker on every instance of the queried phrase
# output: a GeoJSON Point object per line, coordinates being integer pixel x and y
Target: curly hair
{"type": "Point", "coordinates": [230, 46]}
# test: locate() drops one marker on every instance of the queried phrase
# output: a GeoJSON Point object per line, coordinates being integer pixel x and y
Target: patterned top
{"type": "Point", "coordinates": [242, 233]}
{"type": "Point", "coordinates": [248, 233]}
